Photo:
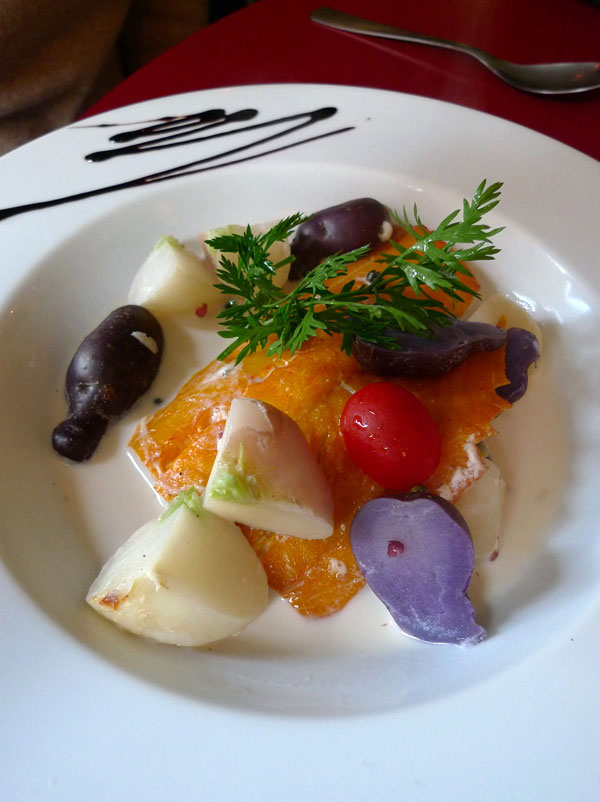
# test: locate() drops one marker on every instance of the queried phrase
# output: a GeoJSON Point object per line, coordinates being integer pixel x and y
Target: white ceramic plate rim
{"type": "Point", "coordinates": [493, 724]}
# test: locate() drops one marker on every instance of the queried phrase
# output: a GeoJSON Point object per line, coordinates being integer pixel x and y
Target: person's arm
{"type": "Point", "coordinates": [154, 26]}
{"type": "Point", "coordinates": [57, 57]}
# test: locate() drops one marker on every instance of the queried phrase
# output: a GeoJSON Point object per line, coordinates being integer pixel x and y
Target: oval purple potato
{"type": "Point", "coordinates": [114, 365]}
{"type": "Point", "coordinates": [423, 356]}
{"type": "Point", "coordinates": [337, 229]}
{"type": "Point", "coordinates": [78, 438]}
{"type": "Point", "coordinates": [416, 554]}
{"type": "Point", "coordinates": [522, 351]}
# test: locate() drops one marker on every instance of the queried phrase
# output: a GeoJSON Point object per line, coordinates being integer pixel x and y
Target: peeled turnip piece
{"type": "Point", "coordinates": [266, 476]}
{"type": "Point", "coordinates": [482, 507]}
{"type": "Point", "coordinates": [278, 252]}
{"type": "Point", "coordinates": [187, 578]}
{"type": "Point", "coordinates": [416, 554]}
{"type": "Point", "coordinates": [174, 281]}
{"type": "Point", "coordinates": [428, 356]}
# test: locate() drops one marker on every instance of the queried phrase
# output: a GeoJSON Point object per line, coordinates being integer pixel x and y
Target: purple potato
{"type": "Point", "coordinates": [337, 229]}
{"type": "Point", "coordinates": [522, 351]}
{"type": "Point", "coordinates": [111, 369]}
{"type": "Point", "coordinates": [78, 437]}
{"type": "Point", "coordinates": [423, 356]}
{"type": "Point", "coordinates": [416, 554]}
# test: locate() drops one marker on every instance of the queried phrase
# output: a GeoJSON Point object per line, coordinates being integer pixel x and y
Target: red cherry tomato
{"type": "Point", "coordinates": [390, 436]}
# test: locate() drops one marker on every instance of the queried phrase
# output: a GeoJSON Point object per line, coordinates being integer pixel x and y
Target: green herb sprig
{"type": "Point", "coordinates": [434, 262]}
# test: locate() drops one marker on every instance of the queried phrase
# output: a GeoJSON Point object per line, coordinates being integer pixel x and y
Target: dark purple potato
{"type": "Point", "coordinates": [423, 356]}
{"type": "Point", "coordinates": [337, 229]}
{"type": "Point", "coordinates": [78, 438]}
{"type": "Point", "coordinates": [522, 351]}
{"type": "Point", "coordinates": [111, 369]}
{"type": "Point", "coordinates": [416, 553]}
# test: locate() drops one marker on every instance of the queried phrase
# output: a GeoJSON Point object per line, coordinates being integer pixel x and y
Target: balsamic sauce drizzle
{"type": "Point", "coordinates": [184, 127]}
{"type": "Point", "coordinates": [120, 125]}
{"type": "Point", "coordinates": [176, 127]}
{"type": "Point", "coordinates": [174, 124]}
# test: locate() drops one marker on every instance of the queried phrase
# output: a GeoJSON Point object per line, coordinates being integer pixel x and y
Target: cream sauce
{"type": "Point", "coordinates": [530, 450]}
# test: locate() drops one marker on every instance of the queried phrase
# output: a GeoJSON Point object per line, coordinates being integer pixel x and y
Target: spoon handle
{"type": "Point", "coordinates": [348, 22]}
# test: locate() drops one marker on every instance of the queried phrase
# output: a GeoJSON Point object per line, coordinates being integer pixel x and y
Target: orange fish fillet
{"type": "Point", "coordinates": [178, 443]}
{"type": "Point", "coordinates": [178, 446]}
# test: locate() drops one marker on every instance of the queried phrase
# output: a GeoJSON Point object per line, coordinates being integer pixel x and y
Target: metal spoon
{"type": "Point", "coordinates": [545, 79]}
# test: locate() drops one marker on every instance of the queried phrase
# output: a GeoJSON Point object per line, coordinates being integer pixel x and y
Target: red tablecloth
{"type": "Point", "coordinates": [273, 41]}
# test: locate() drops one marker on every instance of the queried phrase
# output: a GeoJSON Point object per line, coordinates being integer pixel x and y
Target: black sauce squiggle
{"type": "Point", "coordinates": [198, 165]}
{"type": "Point", "coordinates": [175, 124]}
{"type": "Point", "coordinates": [168, 119]}
{"type": "Point", "coordinates": [181, 130]}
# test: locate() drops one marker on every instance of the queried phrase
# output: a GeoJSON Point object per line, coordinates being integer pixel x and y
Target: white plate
{"type": "Point", "coordinates": [345, 708]}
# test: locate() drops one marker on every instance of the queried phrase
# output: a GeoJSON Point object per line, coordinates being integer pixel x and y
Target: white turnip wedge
{"type": "Point", "coordinates": [266, 476]}
{"type": "Point", "coordinates": [174, 281]}
{"type": "Point", "coordinates": [278, 252]}
{"type": "Point", "coordinates": [187, 578]}
{"type": "Point", "coordinates": [482, 507]}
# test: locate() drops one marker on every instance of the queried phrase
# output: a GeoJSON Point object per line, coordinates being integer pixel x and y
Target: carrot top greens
{"type": "Point", "coordinates": [433, 262]}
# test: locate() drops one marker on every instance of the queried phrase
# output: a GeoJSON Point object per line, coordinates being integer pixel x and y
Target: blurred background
{"type": "Point", "coordinates": [58, 57]}
{"type": "Point", "coordinates": [220, 8]}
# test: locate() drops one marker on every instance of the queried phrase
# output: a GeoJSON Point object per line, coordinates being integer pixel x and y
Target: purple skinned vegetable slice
{"type": "Point", "coordinates": [522, 351]}
{"type": "Point", "coordinates": [416, 554]}
{"type": "Point", "coordinates": [428, 356]}
{"type": "Point", "coordinates": [114, 365]}
{"type": "Point", "coordinates": [337, 229]}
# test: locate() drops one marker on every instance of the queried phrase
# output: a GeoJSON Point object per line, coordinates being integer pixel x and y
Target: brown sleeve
{"type": "Point", "coordinates": [154, 26]}
{"type": "Point", "coordinates": [58, 56]}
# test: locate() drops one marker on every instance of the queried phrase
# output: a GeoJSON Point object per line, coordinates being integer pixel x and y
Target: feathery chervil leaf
{"type": "Point", "coordinates": [265, 314]}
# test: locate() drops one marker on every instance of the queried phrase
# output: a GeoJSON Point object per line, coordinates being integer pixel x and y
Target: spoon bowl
{"type": "Point", "coordinates": [546, 79]}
